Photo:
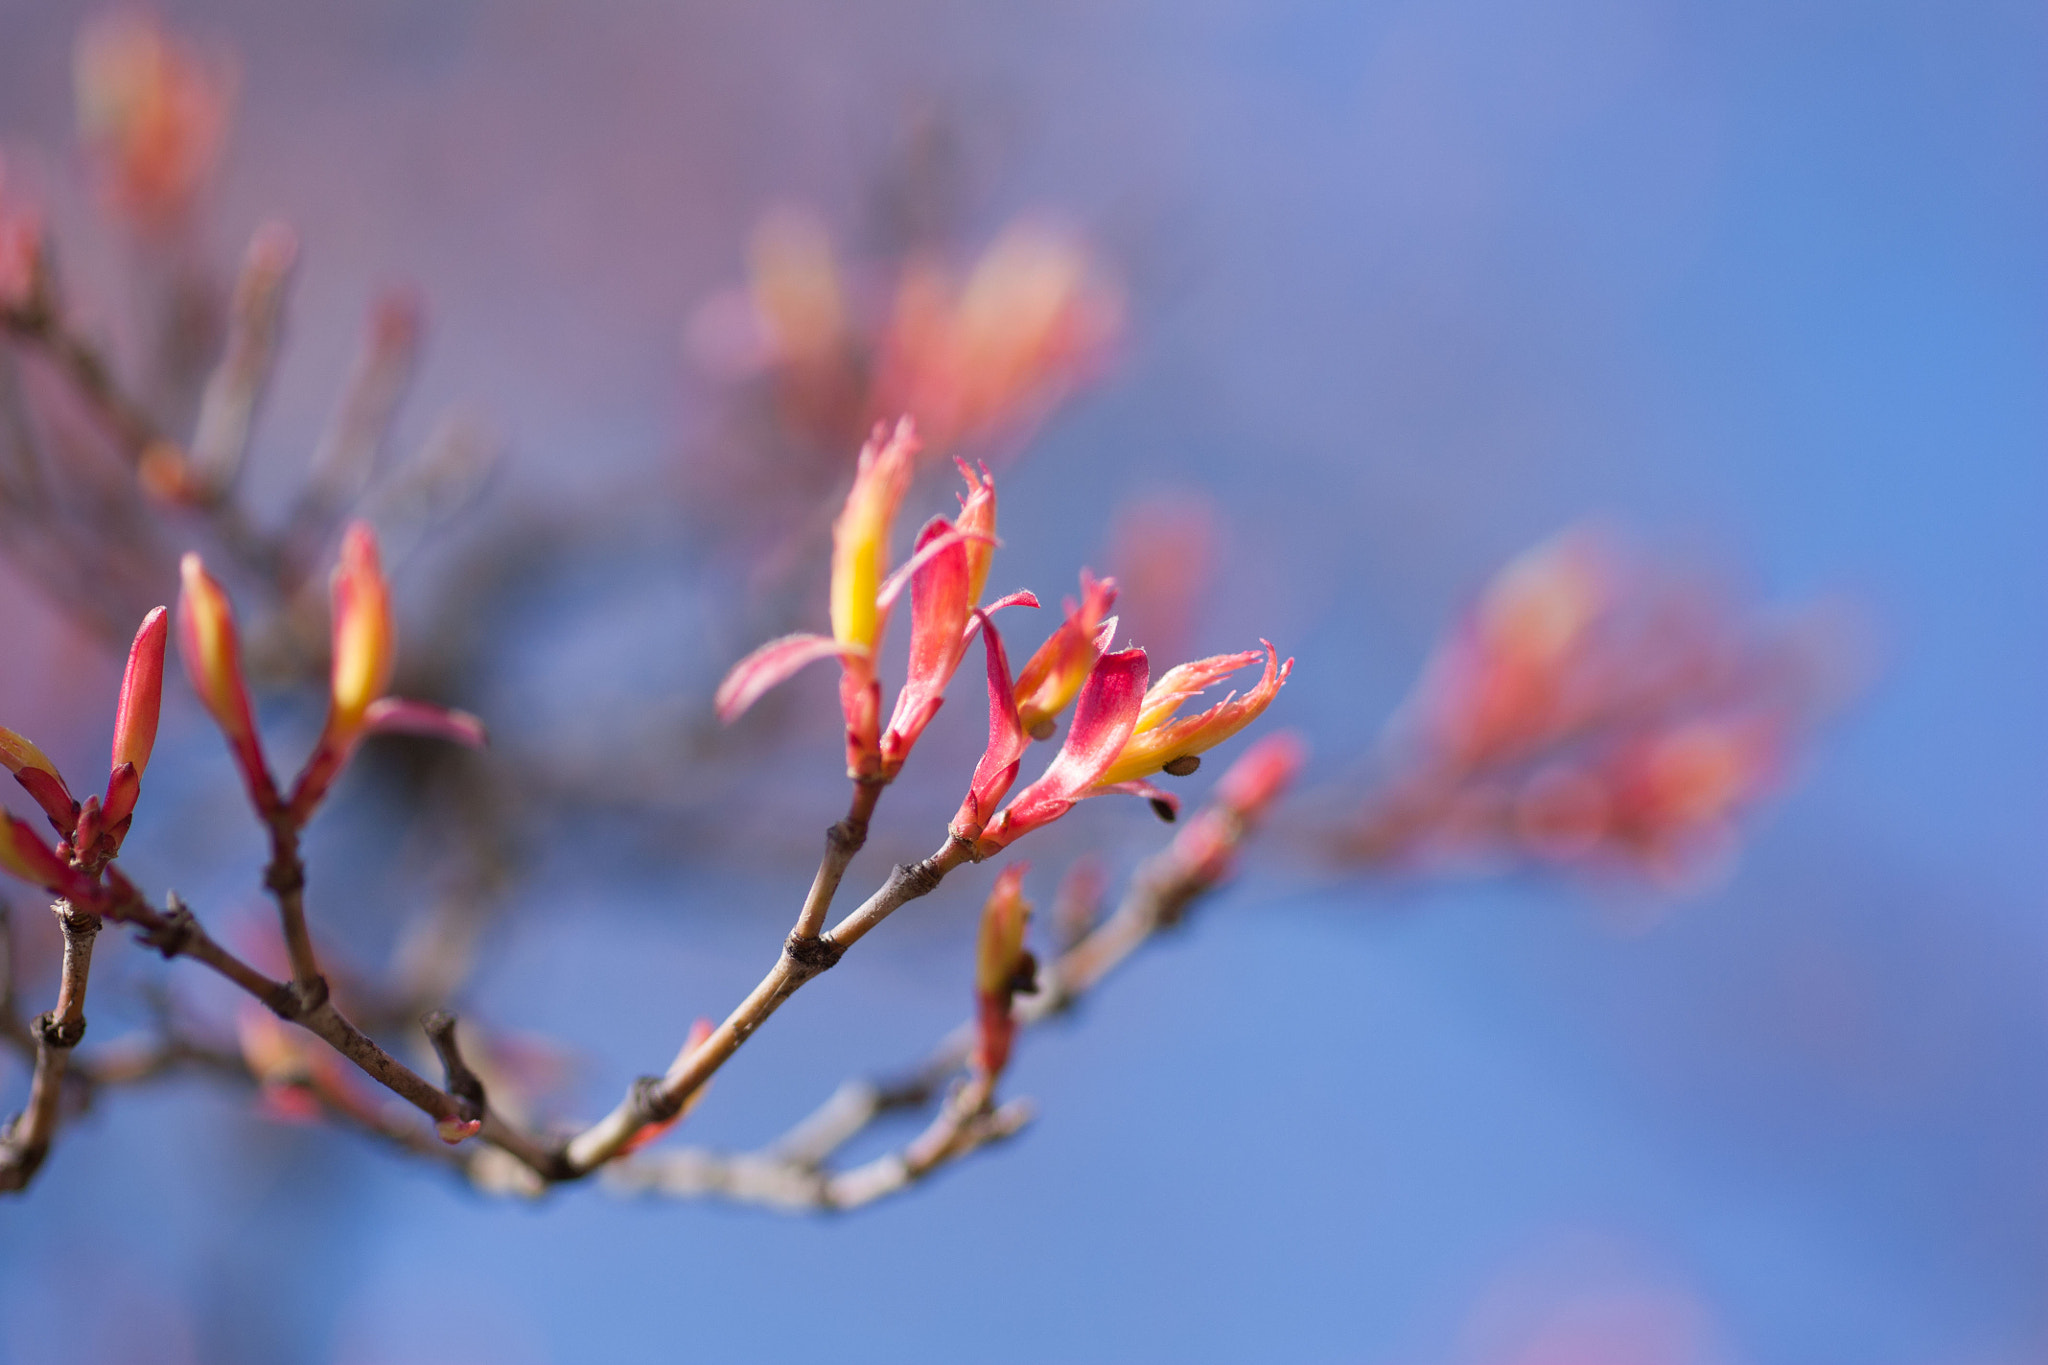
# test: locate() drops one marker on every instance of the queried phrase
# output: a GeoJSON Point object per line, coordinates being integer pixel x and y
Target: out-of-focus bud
{"type": "Point", "coordinates": [153, 112]}
{"type": "Point", "coordinates": [1262, 775]}
{"type": "Point", "coordinates": [1684, 785]}
{"type": "Point", "coordinates": [363, 642]}
{"type": "Point", "coordinates": [282, 1064]}
{"type": "Point", "coordinates": [453, 1131]}
{"type": "Point", "coordinates": [791, 323]}
{"type": "Point", "coordinates": [142, 694]}
{"type": "Point", "coordinates": [1053, 676]}
{"type": "Point", "coordinates": [700, 1033]}
{"type": "Point", "coordinates": [212, 651]}
{"type": "Point", "coordinates": [795, 286]}
{"type": "Point", "coordinates": [1597, 706]}
{"type": "Point", "coordinates": [21, 253]}
{"type": "Point", "coordinates": [1104, 718]}
{"type": "Point", "coordinates": [1206, 847]}
{"type": "Point", "coordinates": [1078, 904]}
{"type": "Point", "coordinates": [1033, 318]}
{"type": "Point", "coordinates": [364, 648]}
{"type": "Point", "coordinates": [39, 777]}
{"type": "Point", "coordinates": [220, 436]}
{"type": "Point", "coordinates": [1159, 742]}
{"type": "Point", "coordinates": [1000, 949]}
{"type": "Point", "coordinates": [1165, 555]}
{"type": "Point", "coordinates": [1002, 968]}
{"type": "Point", "coordinates": [29, 858]}
{"type": "Point", "coordinates": [1504, 680]}
{"type": "Point", "coordinates": [1204, 852]}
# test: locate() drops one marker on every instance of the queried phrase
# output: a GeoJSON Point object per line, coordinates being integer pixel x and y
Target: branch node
{"type": "Point", "coordinates": [77, 923]}
{"type": "Point", "coordinates": [283, 1000]}
{"type": "Point", "coordinates": [648, 1104]}
{"type": "Point", "coordinates": [912, 880]}
{"type": "Point", "coordinates": [173, 934]}
{"type": "Point", "coordinates": [812, 954]}
{"type": "Point", "coordinates": [285, 875]}
{"type": "Point", "coordinates": [843, 839]}
{"type": "Point", "coordinates": [57, 1034]}
{"type": "Point", "coordinates": [308, 995]}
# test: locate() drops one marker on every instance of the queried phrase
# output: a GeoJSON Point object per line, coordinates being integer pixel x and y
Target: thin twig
{"type": "Point", "coordinates": [653, 1100]}
{"type": "Point", "coordinates": [842, 842]}
{"type": "Point", "coordinates": [26, 1141]}
{"type": "Point", "coordinates": [285, 879]}
{"type": "Point", "coordinates": [41, 329]}
{"type": "Point", "coordinates": [220, 438]}
{"type": "Point", "coordinates": [789, 1174]}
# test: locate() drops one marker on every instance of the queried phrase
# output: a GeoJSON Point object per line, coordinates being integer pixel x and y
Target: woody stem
{"type": "Point", "coordinates": [285, 878]}
{"type": "Point", "coordinates": [26, 1141]}
{"type": "Point", "coordinates": [842, 841]}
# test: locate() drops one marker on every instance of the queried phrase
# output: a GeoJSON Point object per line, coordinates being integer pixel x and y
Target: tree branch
{"type": "Point", "coordinates": [790, 1174]}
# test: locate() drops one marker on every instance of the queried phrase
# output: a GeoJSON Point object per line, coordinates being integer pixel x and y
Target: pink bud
{"type": "Point", "coordinates": [39, 777]}
{"type": "Point", "coordinates": [30, 859]}
{"type": "Point", "coordinates": [142, 694]}
{"type": "Point", "coordinates": [1262, 774]}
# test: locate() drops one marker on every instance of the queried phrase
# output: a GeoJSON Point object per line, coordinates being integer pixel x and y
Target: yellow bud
{"type": "Point", "coordinates": [860, 537]}
{"type": "Point", "coordinates": [211, 650]}
{"type": "Point", "coordinates": [362, 630]}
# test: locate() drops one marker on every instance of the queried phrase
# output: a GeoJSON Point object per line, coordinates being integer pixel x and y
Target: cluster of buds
{"type": "Point", "coordinates": [89, 832]}
{"type": "Point", "coordinates": [945, 574]}
{"type": "Point", "coordinates": [1124, 731]}
{"type": "Point", "coordinates": [1124, 727]}
{"type": "Point", "coordinates": [974, 357]}
{"type": "Point", "coordinates": [1589, 708]}
{"type": "Point", "coordinates": [153, 112]}
{"type": "Point", "coordinates": [297, 1078]}
{"type": "Point", "coordinates": [363, 648]}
